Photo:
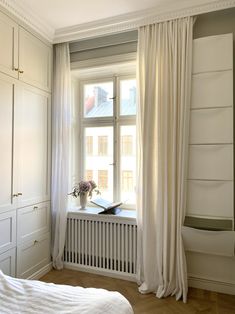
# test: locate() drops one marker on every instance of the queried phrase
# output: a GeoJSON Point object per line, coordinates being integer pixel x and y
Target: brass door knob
{"type": "Point", "coordinates": [20, 71]}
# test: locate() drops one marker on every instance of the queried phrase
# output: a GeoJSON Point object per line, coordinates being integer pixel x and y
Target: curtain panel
{"type": "Point", "coordinates": [164, 84]}
{"type": "Point", "coordinates": [61, 131]}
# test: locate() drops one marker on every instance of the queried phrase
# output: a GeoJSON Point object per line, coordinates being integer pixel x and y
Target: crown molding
{"type": "Point", "coordinates": [134, 20]}
{"type": "Point", "coordinates": [24, 16]}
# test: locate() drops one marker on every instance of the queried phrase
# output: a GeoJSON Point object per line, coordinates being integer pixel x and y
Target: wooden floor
{"type": "Point", "coordinates": [199, 301]}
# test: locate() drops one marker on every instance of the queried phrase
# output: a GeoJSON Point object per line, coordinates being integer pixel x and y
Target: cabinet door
{"type": "Point", "coordinates": [7, 231]}
{"type": "Point", "coordinates": [34, 61]}
{"type": "Point", "coordinates": [32, 145]}
{"type": "Point", "coordinates": [8, 46]}
{"type": "Point", "coordinates": [7, 202]}
{"type": "Point", "coordinates": [7, 262]}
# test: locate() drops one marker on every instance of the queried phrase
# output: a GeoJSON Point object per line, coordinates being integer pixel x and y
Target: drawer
{"type": "Point", "coordinates": [7, 262]}
{"type": "Point", "coordinates": [7, 231]}
{"type": "Point", "coordinates": [213, 53]}
{"type": "Point", "coordinates": [213, 89]}
{"type": "Point", "coordinates": [210, 198]}
{"type": "Point", "coordinates": [211, 126]}
{"type": "Point", "coordinates": [33, 255]}
{"type": "Point", "coordinates": [209, 242]}
{"type": "Point", "coordinates": [211, 162]}
{"type": "Point", "coordinates": [33, 221]}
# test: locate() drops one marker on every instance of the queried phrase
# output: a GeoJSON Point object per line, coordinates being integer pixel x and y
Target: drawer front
{"type": "Point", "coordinates": [213, 89]}
{"type": "Point", "coordinates": [33, 255]}
{"type": "Point", "coordinates": [211, 126]}
{"type": "Point", "coordinates": [209, 242]}
{"type": "Point", "coordinates": [212, 53]}
{"type": "Point", "coordinates": [7, 262]}
{"type": "Point", "coordinates": [7, 231]}
{"type": "Point", "coordinates": [33, 221]}
{"type": "Point", "coordinates": [210, 198]}
{"type": "Point", "coordinates": [211, 162]}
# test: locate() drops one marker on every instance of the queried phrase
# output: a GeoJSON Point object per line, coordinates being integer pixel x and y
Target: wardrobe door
{"type": "Point", "coordinates": [32, 145]}
{"type": "Point", "coordinates": [7, 201]}
{"type": "Point", "coordinates": [8, 46]}
{"type": "Point", "coordinates": [34, 61]}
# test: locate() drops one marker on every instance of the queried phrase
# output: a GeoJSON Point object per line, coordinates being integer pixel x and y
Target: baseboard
{"type": "Point", "coordinates": [211, 285]}
{"type": "Point", "coordinates": [102, 272]}
{"type": "Point", "coordinates": [41, 272]}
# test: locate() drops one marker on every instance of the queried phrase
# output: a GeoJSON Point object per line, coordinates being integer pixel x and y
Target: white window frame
{"type": "Point", "coordinates": [116, 121]}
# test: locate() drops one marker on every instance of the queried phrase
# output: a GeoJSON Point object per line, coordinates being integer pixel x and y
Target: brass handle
{"type": "Point", "coordinates": [16, 69]}
{"type": "Point", "coordinates": [20, 71]}
{"type": "Point", "coordinates": [35, 242]}
{"type": "Point", "coordinates": [14, 195]}
{"type": "Point", "coordinates": [35, 207]}
{"type": "Point", "coordinates": [19, 194]}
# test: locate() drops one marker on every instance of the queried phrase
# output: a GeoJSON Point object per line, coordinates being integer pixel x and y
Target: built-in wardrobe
{"type": "Point", "coordinates": [25, 143]}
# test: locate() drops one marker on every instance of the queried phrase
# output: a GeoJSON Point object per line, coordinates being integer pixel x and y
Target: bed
{"type": "Point", "coordinates": [31, 296]}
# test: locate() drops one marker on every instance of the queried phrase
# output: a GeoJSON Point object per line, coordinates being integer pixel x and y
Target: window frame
{"type": "Point", "coordinates": [116, 121]}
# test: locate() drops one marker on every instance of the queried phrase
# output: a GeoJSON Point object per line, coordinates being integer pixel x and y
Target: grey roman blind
{"type": "Point", "coordinates": [105, 46]}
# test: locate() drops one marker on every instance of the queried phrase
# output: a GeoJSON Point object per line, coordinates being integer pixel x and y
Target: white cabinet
{"type": "Point", "coordinates": [7, 262]}
{"type": "Point", "coordinates": [6, 142]}
{"type": "Point", "coordinates": [32, 222]}
{"type": "Point", "coordinates": [32, 145]}
{"type": "Point", "coordinates": [8, 46]}
{"type": "Point", "coordinates": [7, 231]}
{"type": "Point", "coordinates": [34, 61]}
{"type": "Point", "coordinates": [33, 255]}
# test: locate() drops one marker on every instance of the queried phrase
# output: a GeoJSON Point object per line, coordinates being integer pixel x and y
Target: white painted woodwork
{"type": "Point", "coordinates": [210, 199]}
{"type": "Point", "coordinates": [7, 230]}
{"type": "Point", "coordinates": [211, 162]}
{"type": "Point", "coordinates": [9, 45]}
{"type": "Point", "coordinates": [33, 221]}
{"type": "Point", "coordinates": [32, 148]}
{"type": "Point", "coordinates": [35, 59]}
{"type": "Point", "coordinates": [6, 142]}
{"type": "Point", "coordinates": [212, 89]}
{"type": "Point", "coordinates": [211, 126]}
{"type": "Point", "coordinates": [209, 242]}
{"type": "Point", "coordinates": [213, 53]}
{"type": "Point", "coordinates": [33, 255]}
{"type": "Point", "coordinates": [7, 262]}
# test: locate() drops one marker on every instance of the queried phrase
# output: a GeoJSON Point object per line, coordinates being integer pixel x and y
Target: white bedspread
{"type": "Point", "coordinates": [30, 296]}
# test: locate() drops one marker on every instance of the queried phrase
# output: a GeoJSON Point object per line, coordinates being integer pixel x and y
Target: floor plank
{"type": "Point", "coordinates": [199, 301]}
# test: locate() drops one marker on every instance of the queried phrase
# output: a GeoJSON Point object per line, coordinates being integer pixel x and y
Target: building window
{"type": "Point", "coordinates": [109, 132]}
{"type": "Point", "coordinates": [103, 179]}
{"type": "Point", "coordinates": [127, 145]}
{"type": "Point", "coordinates": [127, 181]}
{"type": "Point", "coordinates": [89, 175]}
{"type": "Point", "coordinates": [89, 145]}
{"type": "Point", "coordinates": [102, 145]}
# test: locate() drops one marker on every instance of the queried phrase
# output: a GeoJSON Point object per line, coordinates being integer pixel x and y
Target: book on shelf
{"type": "Point", "coordinates": [109, 207]}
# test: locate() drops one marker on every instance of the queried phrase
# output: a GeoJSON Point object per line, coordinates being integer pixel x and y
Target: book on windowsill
{"type": "Point", "coordinates": [110, 208]}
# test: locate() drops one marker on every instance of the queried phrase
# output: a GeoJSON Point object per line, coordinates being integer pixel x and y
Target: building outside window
{"type": "Point", "coordinates": [127, 181]}
{"type": "Point", "coordinates": [127, 145]}
{"type": "Point", "coordinates": [89, 175]}
{"type": "Point", "coordinates": [103, 179]}
{"type": "Point", "coordinates": [102, 145]}
{"type": "Point", "coordinates": [89, 145]}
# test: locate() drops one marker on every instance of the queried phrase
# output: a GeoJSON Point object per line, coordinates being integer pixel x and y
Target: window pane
{"type": "Point", "coordinates": [128, 164]}
{"type": "Point", "coordinates": [128, 97]}
{"type": "Point", "coordinates": [99, 164]}
{"type": "Point", "coordinates": [98, 100]}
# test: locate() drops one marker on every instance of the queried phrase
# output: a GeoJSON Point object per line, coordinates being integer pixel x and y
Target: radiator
{"type": "Point", "coordinates": [101, 243]}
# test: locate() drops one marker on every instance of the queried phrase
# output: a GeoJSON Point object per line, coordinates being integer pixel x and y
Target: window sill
{"type": "Point", "coordinates": [91, 213]}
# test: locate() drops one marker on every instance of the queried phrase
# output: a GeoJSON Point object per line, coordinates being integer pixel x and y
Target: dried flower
{"type": "Point", "coordinates": [84, 187]}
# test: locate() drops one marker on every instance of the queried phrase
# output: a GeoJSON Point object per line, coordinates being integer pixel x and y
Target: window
{"type": "Point", "coordinates": [89, 175]}
{"type": "Point", "coordinates": [126, 144]}
{"type": "Point", "coordinates": [103, 179]}
{"type": "Point", "coordinates": [102, 145]}
{"type": "Point", "coordinates": [89, 145]}
{"type": "Point", "coordinates": [108, 128]}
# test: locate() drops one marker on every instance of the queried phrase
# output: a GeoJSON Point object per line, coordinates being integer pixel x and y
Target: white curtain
{"type": "Point", "coordinates": [164, 79]}
{"type": "Point", "coordinates": [61, 129]}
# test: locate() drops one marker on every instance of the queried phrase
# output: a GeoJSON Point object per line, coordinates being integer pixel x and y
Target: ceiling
{"type": "Point", "coordinates": [71, 20]}
{"type": "Point", "coordinates": [64, 13]}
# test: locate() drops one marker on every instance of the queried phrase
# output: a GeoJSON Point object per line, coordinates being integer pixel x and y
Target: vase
{"type": "Point", "coordinates": [83, 200]}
